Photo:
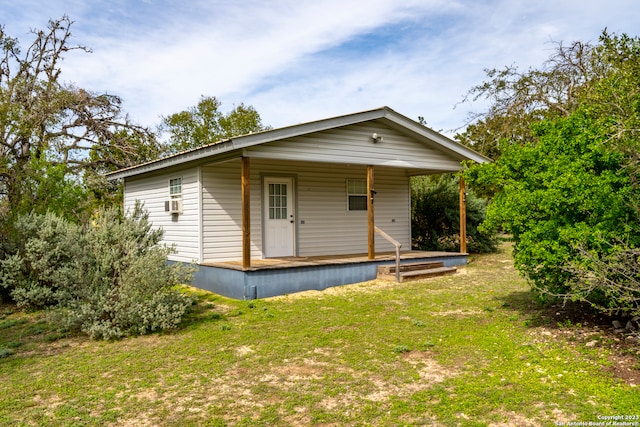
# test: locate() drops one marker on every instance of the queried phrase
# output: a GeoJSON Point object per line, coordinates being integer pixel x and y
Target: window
{"type": "Point", "coordinates": [356, 195]}
{"type": "Point", "coordinates": [277, 201]}
{"type": "Point", "coordinates": [175, 187]}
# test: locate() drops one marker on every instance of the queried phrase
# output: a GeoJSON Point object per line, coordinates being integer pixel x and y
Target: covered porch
{"type": "Point", "coordinates": [248, 261]}
{"type": "Point", "coordinates": [253, 273]}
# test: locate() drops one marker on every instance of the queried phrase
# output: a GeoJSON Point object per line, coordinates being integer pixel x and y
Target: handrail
{"type": "Point", "coordinates": [396, 244]}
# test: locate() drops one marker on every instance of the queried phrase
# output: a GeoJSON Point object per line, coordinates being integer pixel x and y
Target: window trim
{"type": "Point", "coordinates": [175, 195]}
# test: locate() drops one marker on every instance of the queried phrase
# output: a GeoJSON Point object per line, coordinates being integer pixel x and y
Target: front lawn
{"type": "Point", "coordinates": [472, 349]}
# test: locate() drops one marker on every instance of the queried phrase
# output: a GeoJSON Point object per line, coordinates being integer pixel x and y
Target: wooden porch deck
{"type": "Point", "coordinates": [311, 261]}
{"type": "Point", "coordinates": [280, 276]}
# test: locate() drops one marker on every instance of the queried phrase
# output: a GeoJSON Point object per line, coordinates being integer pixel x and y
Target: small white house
{"type": "Point", "coordinates": [317, 189]}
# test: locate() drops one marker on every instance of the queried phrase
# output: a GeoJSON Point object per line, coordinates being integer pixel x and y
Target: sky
{"type": "Point", "coordinates": [302, 60]}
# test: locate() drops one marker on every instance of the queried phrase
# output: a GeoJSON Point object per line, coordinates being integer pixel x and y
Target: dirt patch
{"type": "Point", "coordinates": [578, 324]}
{"type": "Point", "coordinates": [295, 373]}
{"type": "Point", "coordinates": [428, 368]}
{"type": "Point", "coordinates": [456, 313]}
{"type": "Point", "coordinates": [141, 420]}
{"type": "Point", "coordinates": [244, 350]}
{"type": "Point", "coordinates": [514, 419]}
{"type": "Point", "coordinates": [371, 286]}
{"type": "Point", "coordinates": [149, 394]}
{"type": "Point", "coordinates": [627, 369]}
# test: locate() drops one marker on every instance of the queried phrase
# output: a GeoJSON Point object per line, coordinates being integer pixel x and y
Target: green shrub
{"type": "Point", "coordinates": [110, 279]}
{"type": "Point", "coordinates": [565, 200]}
{"type": "Point", "coordinates": [129, 286]}
{"type": "Point", "coordinates": [45, 264]}
{"type": "Point", "coordinates": [435, 217]}
{"type": "Point", "coordinates": [5, 352]}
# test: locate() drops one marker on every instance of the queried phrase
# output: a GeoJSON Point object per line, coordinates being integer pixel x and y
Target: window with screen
{"type": "Point", "coordinates": [356, 195]}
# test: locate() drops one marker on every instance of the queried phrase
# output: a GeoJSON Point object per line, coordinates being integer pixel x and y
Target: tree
{"type": "Point", "coordinates": [566, 189]}
{"type": "Point", "coordinates": [205, 124]}
{"type": "Point", "coordinates": [569, 191]}
{"type": "Point", "coordinates": [518, 99]}
{"type": "Point", "coordinates": [435, 216]}
{"type": "Point", "coordinates": [47, 124]}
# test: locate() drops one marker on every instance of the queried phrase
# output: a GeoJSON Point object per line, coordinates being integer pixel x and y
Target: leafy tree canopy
{"type": "Point", "coordinates": [205, 124]}
{"type": "Point", "coordinates": [567, 186]}
{"type": "Point", "coordinates": [519, 98]}
{"type": "Point", "coordinates": [49, 128]}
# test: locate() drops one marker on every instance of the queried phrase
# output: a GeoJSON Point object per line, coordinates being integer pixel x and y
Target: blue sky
{"type": "Point", "coordinates": [297, 60]}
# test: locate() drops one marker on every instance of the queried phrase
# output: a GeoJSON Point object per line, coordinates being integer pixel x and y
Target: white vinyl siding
{"type": "Point", "coordinates": [222, 212]}
{"type": "Point", "coordinates": [324, 224]}
{"type": "Point", "coordinates": [181, 230]}
{"type": "Point", "coordinates": [353, 145]}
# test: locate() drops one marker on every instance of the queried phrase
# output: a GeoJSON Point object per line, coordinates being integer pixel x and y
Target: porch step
{"type": "Point", "coordinates": [415, 271]}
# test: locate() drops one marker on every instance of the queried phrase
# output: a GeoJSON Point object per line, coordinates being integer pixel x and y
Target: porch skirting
{"type": "Point", "coordinates": [273, 277]}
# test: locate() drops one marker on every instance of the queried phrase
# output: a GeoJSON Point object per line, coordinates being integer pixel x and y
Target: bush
{"type": "Point", "coordinates": [609, 282]}
{"type": "Point", "coordinates": [564, 199]}
{"type": "Point", "coordinates": [45, 263]}
{"type": "Point", "coordinates": [129, 286]}
{"type": "Point", "coordinates": [435, 217]}
{"type": "Point", "coordinates": [110, 279]}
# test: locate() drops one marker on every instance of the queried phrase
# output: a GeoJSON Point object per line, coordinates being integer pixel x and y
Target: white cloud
{"type": "Point", "coordinates": [288, 57]}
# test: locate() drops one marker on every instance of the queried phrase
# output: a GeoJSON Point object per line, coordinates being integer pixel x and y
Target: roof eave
{"type": "Point", "coordinates": [245, 141]}
{"type": "Point", "coordinates": [239, 143]}
{"type": "Point", "coordinates": [464, 152]}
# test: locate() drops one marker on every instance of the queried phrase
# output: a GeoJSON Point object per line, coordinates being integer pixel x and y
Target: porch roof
{"type": "Point", "coordinates": [224, 148]}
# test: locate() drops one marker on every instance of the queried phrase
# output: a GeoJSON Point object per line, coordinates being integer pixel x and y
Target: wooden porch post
{"type": "Point", "coordinates": [246, 215]}
{"type": "Point", "coordinates": [371, 224]}
{"type": "Point", "coordinates": [463, 217]}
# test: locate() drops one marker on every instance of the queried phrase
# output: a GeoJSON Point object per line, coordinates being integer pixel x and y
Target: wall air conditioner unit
{"type": "Point", "coordinates": [173, 206]}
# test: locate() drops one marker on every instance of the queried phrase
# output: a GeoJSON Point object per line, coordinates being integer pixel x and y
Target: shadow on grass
{"type": "Point", "coordinates": [537, 313]}
{"type": "Point", "coordinates": [208, 307]}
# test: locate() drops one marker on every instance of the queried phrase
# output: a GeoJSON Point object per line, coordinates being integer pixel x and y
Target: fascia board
{"type": "Point", "coordinates": [431, 135]}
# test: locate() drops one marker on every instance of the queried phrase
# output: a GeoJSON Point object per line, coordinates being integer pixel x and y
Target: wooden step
{"type": "Point", "coordinates": [414, 272]}
{"type": "Point", "coordinates": [391, 269]}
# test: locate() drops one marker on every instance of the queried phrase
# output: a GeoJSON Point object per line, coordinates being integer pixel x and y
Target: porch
{"type": "Point", "coordinates": [278, 276]}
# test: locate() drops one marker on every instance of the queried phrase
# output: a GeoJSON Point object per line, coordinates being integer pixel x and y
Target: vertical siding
{"type": "Point", "coordinates": [180, 230]}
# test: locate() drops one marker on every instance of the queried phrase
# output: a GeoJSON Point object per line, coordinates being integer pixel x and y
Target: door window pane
{"type": "Point", "coordinates": [278, 201]}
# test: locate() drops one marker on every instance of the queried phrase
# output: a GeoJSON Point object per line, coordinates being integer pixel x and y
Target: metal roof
{"type": "Point", "coordinates": [211, 151]}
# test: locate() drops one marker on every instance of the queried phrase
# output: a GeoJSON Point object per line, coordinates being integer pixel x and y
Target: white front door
{"type": "Point", "coordinates": [279, 217]}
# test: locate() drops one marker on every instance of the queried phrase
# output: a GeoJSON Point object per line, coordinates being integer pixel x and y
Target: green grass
{"type": "Point", "coordinates": [473, 349]}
